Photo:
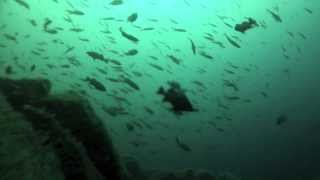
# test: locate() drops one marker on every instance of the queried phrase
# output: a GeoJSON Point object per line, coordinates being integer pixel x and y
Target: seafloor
{"type": "Point", "coordinates": [57, 137]}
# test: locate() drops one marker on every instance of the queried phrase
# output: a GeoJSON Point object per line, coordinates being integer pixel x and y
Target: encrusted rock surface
{"type": "Point", "coordinates": [52, 135]}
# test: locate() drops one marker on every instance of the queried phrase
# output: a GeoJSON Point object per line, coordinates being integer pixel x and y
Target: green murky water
{"type": "Point", "coordinates": [256, 92]}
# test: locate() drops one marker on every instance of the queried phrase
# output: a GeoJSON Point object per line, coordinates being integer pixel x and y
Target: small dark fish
{"type": "Point", "coordinates": [231, 84]}
{"type": "Point", "coordinates": [65, 66]}
{"type": "Point", "coordinates": [95, 83]}
{"type": "Point", "coordinates": [179, 30]}
{"type": "Point", "coordinates": [51, 31]}
{"type": "Point", "coordinates": [232, 42]}
{"type": "Point", "coordinates": [76, 29]}
{"type": "Point", "coordinates": [102, 71]}
{"type": "Point", "coordinates": [264, 94]}
{"type": "Point", "coordinates": [3, 26]}
{"type": "Point", "coordinates": [59, 28]}
{"type": "Point", "coordinates": [223, 17]}
{"type": "Point", "coordinates": [232, 98]}
{"type": "Point", "coordinates": [8, 70]}
{"type": "Point", "coordinates": [153, 57]}
{"type": "Point", "coordinates": [51, 66]}
{"type": "Point", "coordinates": [84, 39]}
{"type": "Point", "coordinates": [114, 111]}
{"type": "Point", "coordinates": [23, 4]}
{"type": "Point", "coordinates": [94, 55]}
{"type": "Point", "coordinates": [130, 83]}
{"type": "Point", "coordinates": [113, 80]}
{"type": "Point", "coordinates": [229, 71]}
{"type": "Point", "coordinates": [182, 145]}
{"type": "Point", "coordinates": [42, 43]}
{"type": "Point", "coordinates": [186, 2]}
{"type": "Point", "coordinates": [133, 17]}
{"type": "Point", "coordinates": [131, 52]}
{"type": "Point", "coordinates": [275, 16]}
{"type": "Point", "coordinates": [46, 24]}
{"type": "Point", "coordinates": [68, 19]}
{"type": "Point", "coordinates": [148, 29]}
{"type": "Point", "coordinates": [75, 12]}
{"type": "Point", "coordinates": [33, 22]}
{"type": "Point", "coordinates": [220, 44]}
{"type": "Point", "coordinates": [73, 60]}
{"type": "Point", "coordinates": [116, 2]}
{"type": "Point", "coordinates": [108, 18]}
{"type": "Point", "coordinates": [228, 25]}
{"type": "Point", "coordinates": [156, 66]}
{"type": "Point", "coordinates": [308, 10]}
{"type": "Point", "coordinates": [175, 59]}
{"type": "Point", "coordinates": [121, 99]}
{"type": "Point", "coordinates": [130, 127]}
{"type": "Point", "coordinates": [116, 62]}
{"type": "Point", "coordinates": [118, 68]}
{"type": "Point", "coordinates": [33, 67]}
{"type": "Point", "coordinates": [193, 47]}
{"type": "Point", "coordinates": [205, 55]}
{"type": "Point", "coordinates": [148, 110]}
{"type": "Point", "coordinates": [137, 124]}
{"type": "Point", "coordinates": [128, 36]}
{"type": "Point", "coordinates": [41, 49]}
{"type": "Point", "coordinates": [223, 106]}
{"type": "Point", "coordinates": [302, 35]}
{"type": "Point", "coordinates": [137, 74]}
{"type": "Point", "coordinates": [153, 20]}
{"type": "Point", "coordinates": [10, 37]}
{"type": "Point", "coordinates": [198, 83]}
{"type": "Point", "coordinates": [147, 124]}
{"type": "Point", "coordinates": [286, 56]}
{"type": "Point", "coordinates": [282, 119]}
{"type": "Point", "coordinates": [220, 129]}
{"type": "Point", "coordinates": [69, 49]}
{"type": "Point", "coordinates": [173, 21]}
{"type": "Point", "coordinates": [290, 34]}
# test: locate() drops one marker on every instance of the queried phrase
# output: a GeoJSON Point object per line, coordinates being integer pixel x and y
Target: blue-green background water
{"type": "Point", "coordinates": [276, 71]}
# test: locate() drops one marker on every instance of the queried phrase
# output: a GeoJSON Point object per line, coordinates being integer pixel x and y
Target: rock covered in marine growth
{"type": "Point", "coordinates": [22, 153]}
{"type": "Point", "coordinates": [68, 125]}
{"type": "Point", "coordinates": [185, 174]}
{"type": "Point", "coordinates": [132, 169]}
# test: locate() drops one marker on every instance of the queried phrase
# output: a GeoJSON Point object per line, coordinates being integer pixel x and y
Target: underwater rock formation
{"type": "Point", "coordinates": [22, 153]}
{"type": "Point", "coordinates": [64, 132]}
{"type": "Point", "coordinates": [185, 174]}
{"type": "Point", "coordinates": [132, 169]}
{"type": "Point", "coordinates": [59, 137]}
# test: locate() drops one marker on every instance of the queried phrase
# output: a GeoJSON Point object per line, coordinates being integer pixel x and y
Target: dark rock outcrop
{"type": "Point", "coordinates": [132, 169]}
{"type": "Point", "coordinates": [69, 125]}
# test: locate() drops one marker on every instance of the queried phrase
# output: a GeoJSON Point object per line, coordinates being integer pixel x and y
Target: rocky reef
{"type": "Point", "coordinates": [59, 137]}
{"type": "Point", "coordinates": [48, 136]}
